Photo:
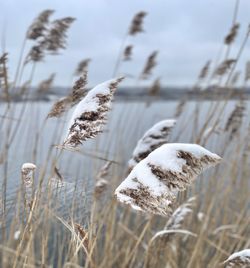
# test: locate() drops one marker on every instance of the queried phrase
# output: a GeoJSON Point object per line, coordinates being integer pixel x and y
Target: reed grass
{"type": "Point", "coordinates": [63, 212]}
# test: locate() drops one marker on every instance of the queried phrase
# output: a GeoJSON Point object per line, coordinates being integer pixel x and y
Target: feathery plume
{"type": "Point", "coordinates": [36, 53]}
{"type": "Point", "coordinates": [27, 173]}
{"type": "Point", "coordinates": [204, 71]}
{"type": "Point", "coordinates": [235, 119]}
{"type": "Point", "coordinates": [150, 64]}
{"type": "Point", "coordinates": [224, 67]}
{"type": "Point", "coordinates": [46, 84]}
{"type": "Point", "coordinates": [229, 39]}
{"type": "Point", "coordinates": [156, 136]}
{"type": "Point", "coordinates": [39, 26]}
{"type": "Point", "coordinates": [239, 259]}
{"type": "Point", "coordinates": [57, 34]}
{"type": "Point", "coordinates": [127, 53]}
{"type": "Point", "coordinates": [154, 182]}
{"type": "Point", "coordinates": [82, 67]}
{"type": "Point", "coordinates": [90, 114]}
{"type": "Point", "coordinates": [78, 92]}
{"type": "Point", "coordinates": [137, 23]}
{"type": "Point", "coordinates": [177, 218]}
{"type": "Point", "coordinates": [59, 107]}
{"type": "Point", "coordinates": [155, 88]}
{"type": "Point", "coordinates": [175, 222]}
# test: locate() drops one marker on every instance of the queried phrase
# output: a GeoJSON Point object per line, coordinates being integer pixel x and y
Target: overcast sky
{"type": "Point", "coordinates": [186, 33]}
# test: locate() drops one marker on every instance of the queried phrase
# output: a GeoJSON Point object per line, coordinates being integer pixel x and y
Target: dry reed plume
{"type": "Point", "coordinates": [224, 67]}
{"type": "Point", "coordinates": [46, 85]}
{"type": "Point", "coordinates": [234, 121]}
{"type": "Point", "coordinates": [137, 23]}
{"type": "Point", "coordinates": [155, 87]}
{"type": "Point", "coordinates": [204, 71]}
{"type": "Point", "coordinates": [149, 66]}
{"type": "Point", "coordinates": [39, 26]}
{"type": "Point", "coordinates": [82, 67]}
{"type": "Point", "coordinates": [229, 39]}
{"type": "Point", "coordinates": [127, 54]}
{"type": "Point", "coordinates": [78, 92]}
{"type": "Point", "coordinates": [57, 34]}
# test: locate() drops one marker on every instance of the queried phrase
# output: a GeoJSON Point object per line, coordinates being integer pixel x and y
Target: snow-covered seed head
{"type": "Point", "coordinates": [239, 259]}
{"type": "Point", "coordinates": [90, 114]}
{"type": "Point", "coordinates": [156, 136]}
{"type": "Point", "coordinates": [153, 183]}
{"type": "Point", "coordinates": [27, 173]}
{"type": "Point", "coordinates": [100, 186]}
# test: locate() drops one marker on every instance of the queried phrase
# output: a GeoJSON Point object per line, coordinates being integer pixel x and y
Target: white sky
{"type": "Point", "coordinates": [186, 33]}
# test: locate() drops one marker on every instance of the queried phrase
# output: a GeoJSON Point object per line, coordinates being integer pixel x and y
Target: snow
{"type": "Point", "coordinates": [101, 183]}
{"type": "Point", "coordinates": [180, 214]}
{"type": "Point", "coordinates": [165, 157]}
{"type": "Point", "coordinates": [243, 255]}
{"type": "Point", "coordinates": [91, 102]}
{"type": "Point", "coordinates": [17, 234]}
{"type": "Point", "coordinates": [27, 166]}
{"type": "Point", "coordinates": [148, 140]}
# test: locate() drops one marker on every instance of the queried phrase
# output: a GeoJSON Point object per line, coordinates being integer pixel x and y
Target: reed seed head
{"type": "Point", "coordinates": [153, 183]}
{"type": "Point", "coordinates": [204, 71]}
{"type": "Point", "coordinates": [224, 67]}
{"type": "Point", "coordinates": [90, 114]}
{"type": "Point", "coordinates": [45, 85]}
{"type": "Point", "coordinates": [27, 171]}
{"type": "Point", "coordinates": [137, 23]}
{"type": "Point", "coordinates": [238, 259]}
{"type": "Point", "coordinates": [82, 66]}
{"type": "Point", "coordinates": [57, 34]}
{"type": "Point", "coordinates": [153, 138]}
{"type": "Point", "coordinates": [150, 64]}
{"type": "Point", "coordinates": [127, 54]}
{"type": "Point", "coordinates": [155, 88]}
{"type": "Point", "coordinates": [229, 39]}
{"type": "Point", "coordinates": [39, 26]}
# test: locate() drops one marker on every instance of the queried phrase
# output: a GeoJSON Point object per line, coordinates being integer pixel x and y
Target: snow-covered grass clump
{"type": "Point", "coordinates": [90, 114]}
{"type": "Point", "coordinates": [153, 183]}
{"type": "Point", "coordinates": [151, 140]}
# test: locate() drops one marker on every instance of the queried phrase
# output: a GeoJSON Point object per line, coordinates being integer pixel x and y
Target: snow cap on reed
{"type": "Point", "coordinates": [90, 114]}
{"type": "Point", "coordinates": [154, 182]}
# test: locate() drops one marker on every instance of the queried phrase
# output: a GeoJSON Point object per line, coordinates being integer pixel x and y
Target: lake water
{"type": "Point", "coordinates": [126, 124]}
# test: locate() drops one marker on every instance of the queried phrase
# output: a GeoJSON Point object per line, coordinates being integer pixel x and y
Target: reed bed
{"type": "Point", "coordinates": [59, 204]}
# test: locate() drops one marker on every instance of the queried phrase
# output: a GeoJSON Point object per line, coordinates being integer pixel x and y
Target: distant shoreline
{"type": "Point", "coordinates": [142, 95]}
